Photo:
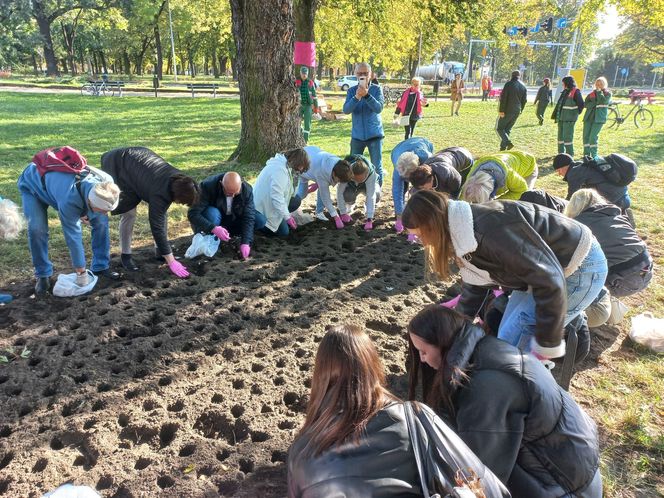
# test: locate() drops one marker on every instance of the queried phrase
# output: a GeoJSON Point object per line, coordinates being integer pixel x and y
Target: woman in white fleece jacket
{"type": "Point", "coordinates": [274, 190]}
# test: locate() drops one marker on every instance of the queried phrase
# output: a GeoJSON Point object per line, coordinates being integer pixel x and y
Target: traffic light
{"type": "Point", "coordinates": [524, 30]}
{"type": "Point", "coordinates": [548, 25]}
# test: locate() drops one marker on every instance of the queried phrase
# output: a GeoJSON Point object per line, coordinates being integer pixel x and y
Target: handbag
{"type": "Point", "coordinates": [405, 119]}
{"type": "Point", "coordinates": [446, 466]}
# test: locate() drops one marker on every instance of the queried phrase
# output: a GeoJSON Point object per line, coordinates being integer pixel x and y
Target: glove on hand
{"type": "Point", "coordinates": [412, 238]}
{"type": "Point", "coordinates": [338, 222]}
{"type": "Point", "coordinates": [346, 218]}
{"type": "Point", "coordinates": [178, 269]}
{"type": "Point", "coordinates": [398, 226]}
{"type": "Point", "coordinates": [292, 223]}
{"type": "Point", "coordinates": [245, 250]}
{"type": "Point", "coordinates": [221, 233]}
{"type": "Point", "coordinates": [312, 188]}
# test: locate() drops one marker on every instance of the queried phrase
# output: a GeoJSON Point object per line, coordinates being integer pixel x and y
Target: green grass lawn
{"type": "Point", "coordinates": [623, 393]}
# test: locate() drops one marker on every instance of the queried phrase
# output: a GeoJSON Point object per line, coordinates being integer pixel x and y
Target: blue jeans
{"type": "Point", "coordinates": [375, 146]}
{"type": "Point", "coordinates": [214, 216]}
{"type": "Point", "coordinates": [282, 229]}
{"type": "Point", "coordinates": [583, 286]}
{"type": "Point", "coordinates": [36, 213]}
{"type": "Point", "coordinates": [302, 193]}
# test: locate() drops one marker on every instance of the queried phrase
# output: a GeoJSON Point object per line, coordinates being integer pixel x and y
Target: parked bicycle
{"type": "Point", "coordinates": [97, 88]}
{"type": "Point", "coordinates": [643, 118]}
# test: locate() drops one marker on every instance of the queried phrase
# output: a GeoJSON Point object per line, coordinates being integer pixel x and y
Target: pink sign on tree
{"type": "Point", "coordinates": [305, 54]}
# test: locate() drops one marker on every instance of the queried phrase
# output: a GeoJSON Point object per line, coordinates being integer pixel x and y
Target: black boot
{"type": "Point", "coordinates": [42, 286]}
{"type": "Point", "coordinates": [128, 263]}
{"type": "Point", "coordinates": [107, 273]}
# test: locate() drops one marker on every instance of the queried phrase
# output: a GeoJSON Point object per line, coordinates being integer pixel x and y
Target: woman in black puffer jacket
{"type": "Point", "coordinates": [506, 407]}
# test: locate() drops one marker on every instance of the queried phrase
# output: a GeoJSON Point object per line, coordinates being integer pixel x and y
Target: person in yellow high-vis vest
{"type": "Point", "coordinates": [566, 112]}
{"type": "Point", "coordinates": [597, 109]}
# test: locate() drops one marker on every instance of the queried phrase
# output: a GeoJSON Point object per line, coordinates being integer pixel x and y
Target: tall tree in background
{"type": "Point", "coordinates": [264, 36]}
{"type": "Point", "coordinates": [305, 15]}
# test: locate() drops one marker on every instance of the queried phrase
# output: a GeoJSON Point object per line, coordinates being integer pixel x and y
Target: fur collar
{"type": "Point", "coordinates": [460, 220]}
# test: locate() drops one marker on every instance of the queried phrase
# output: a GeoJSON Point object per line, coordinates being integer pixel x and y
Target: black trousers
{"type": "Point", "coordinates": [409, 129]}
{"type": "Point", "coordinates": [504, 127]}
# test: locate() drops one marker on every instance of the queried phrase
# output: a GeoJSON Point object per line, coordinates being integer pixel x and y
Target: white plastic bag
{"type": "Point", "coordinates": [202, 244]}
{"type": "Point", "coordinates": [71, 491]}
{"type": "Point", "coordinates": [618, 311]}
{"type": "Point", "coordinates": [648, 331]}
{"type": "Point", "coordinates": [316, 116]}
{"type": "Point", "coordinates": [66, 285]}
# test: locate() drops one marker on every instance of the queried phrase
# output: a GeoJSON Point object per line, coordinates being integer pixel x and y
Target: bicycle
{"type": "Point", "coordinates": [97, 88]}
{"type": "Point", "coordinates": [643, 118]}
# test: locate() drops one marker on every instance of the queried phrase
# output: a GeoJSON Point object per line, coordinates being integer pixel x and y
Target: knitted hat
{"type": "Point", "coordinates": [562, 160]}
{"type": "Point", "coordinates": [104, 196]}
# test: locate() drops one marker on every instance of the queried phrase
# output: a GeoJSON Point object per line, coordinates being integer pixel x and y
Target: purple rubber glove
{"type": "Point", "coordinates": [368, 225]}
{"type": "Point", "coordinates": [412, 238]}
{"type": "Point", "coordinates": [338, 222]}
{"type": "Point", "coordinates": [292, 223]}
{"type": "Point", "coordinates": [178, 269]}
{"type": "Point", "coordinates": [312, 188]}
{"type": "Point", "coordinates": [221, 233]}
{"type": "Point", "coordinates": [398, 226]}
{"type": "Point", "coordinates": [346, 218]}
{"type": "Point", "coordinates": [451, 304]}
{"type": "Point", "coordinates": [245, 250]}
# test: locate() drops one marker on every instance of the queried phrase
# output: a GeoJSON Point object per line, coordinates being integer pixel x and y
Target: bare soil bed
{"type": "Point", "coordinates": [154, 386]}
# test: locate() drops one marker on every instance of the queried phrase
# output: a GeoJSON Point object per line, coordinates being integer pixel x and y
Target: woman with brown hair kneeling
{"type": "Point", "coordinates": [355, 440]}
{"type": "Point", "coordinates": [505, 406]}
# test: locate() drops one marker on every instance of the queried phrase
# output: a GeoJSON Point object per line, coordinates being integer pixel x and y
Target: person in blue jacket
{"type": "Point", "coordinates": [406, 156]}
{"type": "Point", "coordinates": [88, 199]}
{"type": "Point", "coordinates": [365, 102]}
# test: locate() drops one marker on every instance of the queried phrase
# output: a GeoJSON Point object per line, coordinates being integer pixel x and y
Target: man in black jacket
{"type": "Point", "coordinates": [512, 102]}
{"type": "Point", "coordinates": [580, 175]}
{"type": "Point", "coordinates": [142, 175]}
{"type": "Point", "coordinates": [227, 208]}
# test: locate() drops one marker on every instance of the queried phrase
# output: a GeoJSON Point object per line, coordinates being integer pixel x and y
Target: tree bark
{"type": "Point", "coordinates": [160, 58]}
{"type": "Point", "coordinates": [305, 12]}
{"type": "Point", "coordinates": [44, 25]}
{"type": "Point", "coordinates": [264, 31]}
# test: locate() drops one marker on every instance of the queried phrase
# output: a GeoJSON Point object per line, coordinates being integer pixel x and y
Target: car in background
{"type": "Point", "coordinates": [345, 82]}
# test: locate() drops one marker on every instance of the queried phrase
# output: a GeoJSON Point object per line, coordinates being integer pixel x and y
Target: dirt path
{"type": "Point", "coordinates": [129, 93]}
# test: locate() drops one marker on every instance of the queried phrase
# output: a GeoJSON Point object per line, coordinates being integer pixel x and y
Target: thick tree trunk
{"type": "Point", "coordinates": [95, 64]}
{"type": "Point", "coordinates": [160, 58]}
{"type": "Point", "coordinates": [44, 25]}
{"type": "Point", "coordinates": [34, 64]}
{"type": "Point", "coordinates": [305, 12]}
{"type": "Point", "coordinates": [223, 64]}
{"type": "Point", "coordinates": [234, 68]}
{"type": "Point", "coordinates": [264, 31]}
{"type": "Point", "coordinates": [125, 61]}
{"type": "Point", "coordinates": [213, 58]}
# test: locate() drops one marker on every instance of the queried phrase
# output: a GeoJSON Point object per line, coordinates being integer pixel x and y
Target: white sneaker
{"type": "Point", "coordinates": [321, 216]}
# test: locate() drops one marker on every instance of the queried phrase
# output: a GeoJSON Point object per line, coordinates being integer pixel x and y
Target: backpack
{"type": "Point", "coordinates": [617, 169]}
{"type": "Point", "coordinates": [64, 160]}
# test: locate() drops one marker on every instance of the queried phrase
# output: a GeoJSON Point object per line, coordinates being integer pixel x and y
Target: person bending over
{"type": "Point", "coordinates": [11, 225]}
{"type": "Point", "coordinates": [364, 180]}
{"type": "Point", "coordinates": [226, 207]}
{"type": "Point", "coordinates": [325, 170]}
{"type": "Point", "coordinates": [274, 192]}
{"type": "Point", "coordinates": [406, 156]}
{"type": "Point", "coordinates": [505, 405]}
{"type": "Point", "coordinates": [553, 263]}
{"type": "Point", "coordinates": [441, 172]}
{"type": "Point", "coordinates": [505, 175]}
{"type": "Point", "coordinates": [142, 175]}
{"type": "Point", "coordinates": [77, 199]}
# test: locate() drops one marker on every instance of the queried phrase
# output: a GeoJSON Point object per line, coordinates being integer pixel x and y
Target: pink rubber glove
{"type": "Point", "coordinates": [338, 222]}
{"type": "Point", "coordinates": [346, 218]}
{"type": "Point", "coordinates": [368, 225]}
{"type": "Point", "coordinates": [178, 269]}
{"type": "Point", "coordinates": [292, 223]}
{"type": "Point", "coordinates": [451, 304]}
{"type": "Point", "coordinates": [412, 238]}
{"type": "Point", "coordinates": [312, 188]}
{"type": "Point", "coordinates": [221, 233]}
{"type": "Point", "coordinates": [245, 250]}
{"type": "Point", "coordinates": [398, 226]}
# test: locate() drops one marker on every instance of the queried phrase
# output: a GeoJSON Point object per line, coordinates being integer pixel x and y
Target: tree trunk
{"type": "Point", "coordinates": [264, 31]}
{"type": "Point", "coordinates": [95, 64]}
{"type": "Point", "coordinates": [34, 64]}
{"type": "Point", "coordinates": [159, 69]}
{"type": "Point", "coordinates": [305, 12]}
{"type": "Point", "coordinates": [234, 68]}
{"type": "Point", "coordinates": [223, 64]}
{"type": "Point", "coordinates": [213, 58]}
{"type": "Point", "coordinates": [102, 59]}
{"type": "Point", "coordinates": [125, 60]}
{"type": "Point", "coordinates": [45, 31]}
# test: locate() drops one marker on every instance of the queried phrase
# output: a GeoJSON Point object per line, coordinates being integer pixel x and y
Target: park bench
{"type": "Point", "coordinates": [638, 96]}
{"type": "Point", "coordinates": [495, 93]}
{"type": "Point", "coordinates": [203, 86]}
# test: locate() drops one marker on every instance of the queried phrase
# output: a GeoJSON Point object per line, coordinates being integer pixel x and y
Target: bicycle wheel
{"type": "Point", "coordinates": [643, 118]}
{"type": "Point", "coordinates": [88, 89]}
{"type": "Point", "coordinates": [612, 119]}
{"type": "Point", "coordinates": [102, 90]}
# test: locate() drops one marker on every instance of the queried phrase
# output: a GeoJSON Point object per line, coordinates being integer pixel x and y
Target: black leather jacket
{"type": "Point", "coordinates": [522, 425]}
{"type": "Point", "coordinates": [521, 246]}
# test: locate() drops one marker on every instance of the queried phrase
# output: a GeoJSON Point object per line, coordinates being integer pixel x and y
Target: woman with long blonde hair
{"type": "Point", "coordinates": [553, 263]}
